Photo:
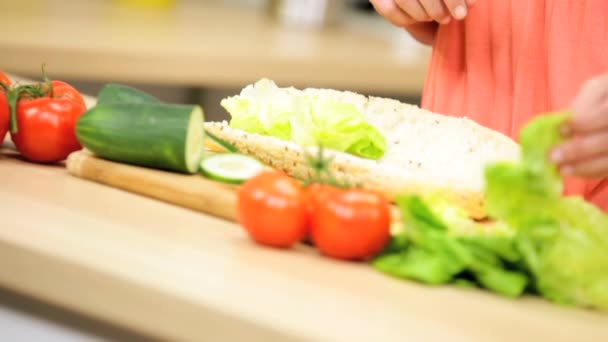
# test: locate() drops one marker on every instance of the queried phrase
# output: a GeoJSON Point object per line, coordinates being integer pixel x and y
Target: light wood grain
{"type": "Point", "coordinates": [201, 43]}
{"type": "Point", "coordinates": [189, 191]}
{"type": "Point", "coordinates": [181, 275]}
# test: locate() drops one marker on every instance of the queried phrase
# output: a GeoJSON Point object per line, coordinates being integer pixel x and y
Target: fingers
{"type": "Point", "coordinates": [415, 9]}
{"type": "Point", "coordinates": [581, 148]}
{"type": "Point", "coordinates": [434, 10]}
{"type": "Point", "coordinates": [585, 156]}
{"type": "Point", "coordinates": [395, 15]}
{"type": "Point", "coordinates": [590, 108]}
{"type": "Point", "coordinates": [406, 12]}
{"type": "Point", "coordinates": [458, 8]}
{"type": "Point", "coordinates": [592, 168]}
{"type": "Point", "coordinates": [437, 11]}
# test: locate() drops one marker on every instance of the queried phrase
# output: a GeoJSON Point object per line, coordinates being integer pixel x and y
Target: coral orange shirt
{"type": "Point", "coordinates": [511, 60]}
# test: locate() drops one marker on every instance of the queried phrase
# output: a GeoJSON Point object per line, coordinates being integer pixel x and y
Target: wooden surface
{"type": "Point", "coordinates": [189, 191]}
{"type": "Point", "coordinates": [179, 274]}
{"type": "Point", "coordinates": [169, 272]}
{"type": "Point", "coordinates": [200, 43]}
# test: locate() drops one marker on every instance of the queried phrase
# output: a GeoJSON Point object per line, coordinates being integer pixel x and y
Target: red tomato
{"type": "Point", "coordinates": [46, 124]}
{"type": "Point", "coordinates": [62, 90]}
{"type": "Point", "coordinates": [314, 195]}
{"type": "Point", "coordinates": [351, 224]}
{"type": "Point", "coordinates": [272, 210]}
{"type": "Point", "coordinates": [4, 110]}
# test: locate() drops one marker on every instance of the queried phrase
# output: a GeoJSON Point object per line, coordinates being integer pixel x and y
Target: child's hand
{"type": "Point", "coordinates": [585, 154]}
{"type": "Point", "coordinates": [403, 13]}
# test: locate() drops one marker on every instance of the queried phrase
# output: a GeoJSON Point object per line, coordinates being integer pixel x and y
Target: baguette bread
{"type": "Point", "coordinates": [426, 152]}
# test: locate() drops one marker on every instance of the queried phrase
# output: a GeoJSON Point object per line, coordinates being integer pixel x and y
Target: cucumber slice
{"type": "Point", "coordinates": [231, 168]}
{"type": "Point", "coordinates": [195, 140]}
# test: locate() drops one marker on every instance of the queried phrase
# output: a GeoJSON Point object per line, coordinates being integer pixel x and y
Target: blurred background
{"type": "Point", "coordinates": [199, 51]}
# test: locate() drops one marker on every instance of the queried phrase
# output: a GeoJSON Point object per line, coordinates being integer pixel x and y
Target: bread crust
{"type": "Point", "coordinates": [426, 152]}
{"type": "Point", "coordinates": [291, 159]}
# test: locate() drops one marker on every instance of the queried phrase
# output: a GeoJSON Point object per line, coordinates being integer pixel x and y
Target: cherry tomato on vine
{"type": "Point", "coordinates": [351, 224]}
{"type": "Point", "coordinates": [315, 195]}
{"type": "Point", "coordinates": [272, 209]}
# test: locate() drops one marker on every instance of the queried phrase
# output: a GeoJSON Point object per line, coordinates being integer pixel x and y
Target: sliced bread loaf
{"type": "Point", "coordinates": [426, 152]}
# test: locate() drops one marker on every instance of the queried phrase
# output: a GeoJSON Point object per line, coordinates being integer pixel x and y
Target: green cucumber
{"type": "Point", "coordinates": [231, 168]}
{"type": "Point", "coordinates": [119, 93]}
{"type": "Point", "coordinates": [161, 136]}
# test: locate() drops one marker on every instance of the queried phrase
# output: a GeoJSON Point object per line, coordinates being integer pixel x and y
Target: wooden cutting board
{"type": "Point", "coordinates": [189, 191]}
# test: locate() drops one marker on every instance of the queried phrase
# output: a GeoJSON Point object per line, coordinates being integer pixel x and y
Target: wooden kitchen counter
{"type": "Point", "coordinates": [160, 270]}
{"type": "Point", "coordinates": [202, 44]}
{"type": "Point", "coordinates": [167, 271]}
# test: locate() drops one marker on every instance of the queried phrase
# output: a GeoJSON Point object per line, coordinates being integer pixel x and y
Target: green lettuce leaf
{"type": "Point", "coordinates": [262, 108]}
{"type": "Point", "coordinates": [289, 114]}
{"type": "Point", "coordinates": [527, 190]}
{"type": "Point", "coordinates": [563, 240]}
{"type": "Point", "coordinates": [336, 125]}
{"type": "Point", "coordinates": [568, 254]}
{"type": "Point", "coordinates": [536, 139]}
{"type": "Point", "coordinates": [556, 245]}
{"type": "Point", "coordinates": [440, 245]}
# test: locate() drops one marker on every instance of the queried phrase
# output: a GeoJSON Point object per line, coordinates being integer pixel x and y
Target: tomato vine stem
{"type": "Point", "coordinates": [26, 91]}
{"type": "Point", "coordinates": [322, 173]}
